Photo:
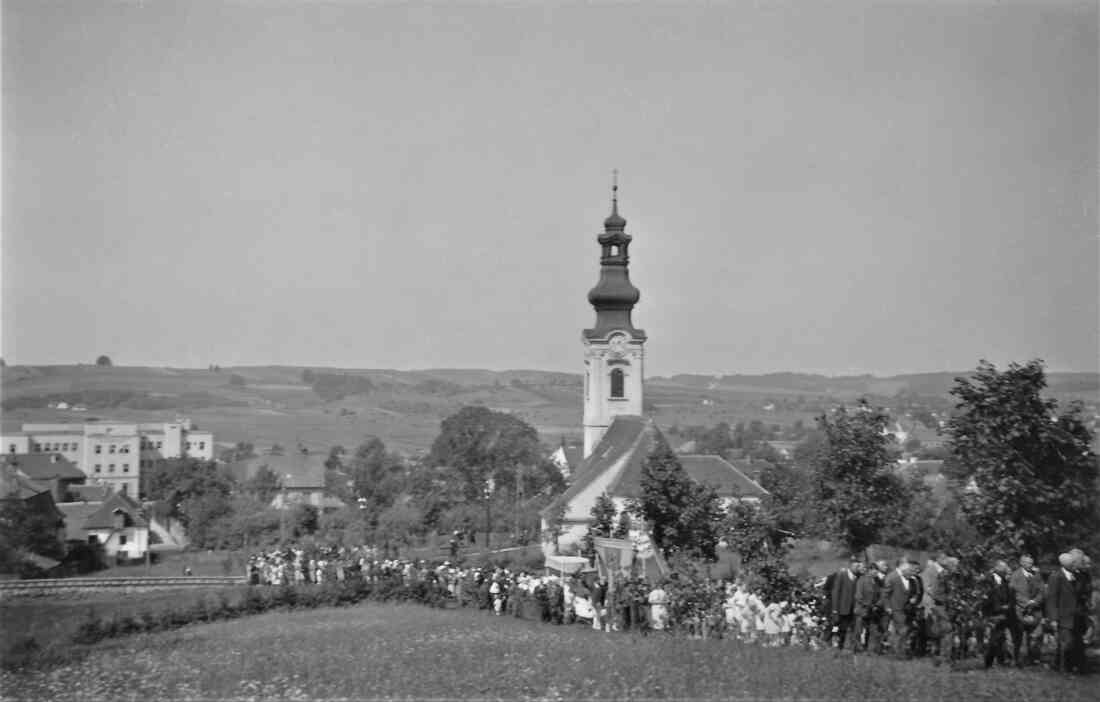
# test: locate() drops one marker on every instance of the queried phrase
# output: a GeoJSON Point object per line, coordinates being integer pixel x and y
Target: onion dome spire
{"type": "Point", "coordinates": [614, 295]}
{"type": "Point", "coordinates": [614, 222]}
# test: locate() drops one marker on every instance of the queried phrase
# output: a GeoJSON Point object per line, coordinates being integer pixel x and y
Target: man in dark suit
{"type": "Point", "coordinates": [895, 598]}
{"type": "Point", "coordinates": [999, 609]}
{"type": "Point", "coordinates": [1027, 590]}
{"type": "Point", "coordinates": [936, 579]}
{"type": "Point", "coordinates": [1063, 613]}
{"type": "Point", "coordinates": [913, 609]}
{"type": "Point", "coordinates": [866, 611]}
{"type": "Point", "coordinates": [827, 587]}
{"type": "Point", "coordinates": [844, 599]}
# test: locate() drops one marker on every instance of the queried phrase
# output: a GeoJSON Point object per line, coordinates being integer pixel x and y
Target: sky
{"type": "Point", "coordinates": [837, 187]}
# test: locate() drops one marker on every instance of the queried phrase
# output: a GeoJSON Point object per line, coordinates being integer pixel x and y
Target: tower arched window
{"type": "Point", "coordinates": [617, 384]}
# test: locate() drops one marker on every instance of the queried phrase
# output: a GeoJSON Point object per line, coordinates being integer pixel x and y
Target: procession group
{"type": "Point", "coordinates": [879, 608]}
{"type": "Point", "coordinates": [915, 612]}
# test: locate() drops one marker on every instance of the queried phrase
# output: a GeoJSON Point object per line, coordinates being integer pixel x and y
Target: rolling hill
{"type": "Point", "coordinates": [276, 405]}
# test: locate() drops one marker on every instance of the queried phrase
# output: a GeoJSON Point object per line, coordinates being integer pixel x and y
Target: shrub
{"type": "Point", "coordinates": [90, 630]}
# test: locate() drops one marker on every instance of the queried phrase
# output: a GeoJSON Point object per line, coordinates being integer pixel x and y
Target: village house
{"type": "Point", "coordinates": [301, 476]}
{"type": "Point", "coordinates": [118, 524]}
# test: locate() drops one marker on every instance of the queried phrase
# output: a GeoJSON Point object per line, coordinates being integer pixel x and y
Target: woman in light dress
{"type": "Point", "coordinates": [773, 623]}
{"type": "Point", "coordinates": [658, 608]}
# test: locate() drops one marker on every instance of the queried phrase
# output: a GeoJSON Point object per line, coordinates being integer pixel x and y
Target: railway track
{"type": "Point", "coordinates": [66, 586]}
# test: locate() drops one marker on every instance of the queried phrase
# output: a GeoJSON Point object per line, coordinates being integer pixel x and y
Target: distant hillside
{"type": "Point", "coordinates": [280, 404]}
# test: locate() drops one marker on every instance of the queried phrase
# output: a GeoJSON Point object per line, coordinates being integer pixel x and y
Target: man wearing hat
{"type": "Point", "coordinates": [844, 601]}
{"type": "Point", "coordinates": [1027, 590]}
{"type": "Point", "coordinates": [895, 600]}
{"type": "Point", "coordinates": [1000, 612]}
{"type": "Point", "coordinates": [1063, 615]}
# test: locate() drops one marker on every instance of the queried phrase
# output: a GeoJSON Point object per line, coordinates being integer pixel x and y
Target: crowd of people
{"type": "Point", "coordinates": [879, 608]}
{"type": "Point", "coordinates": [909, 612]}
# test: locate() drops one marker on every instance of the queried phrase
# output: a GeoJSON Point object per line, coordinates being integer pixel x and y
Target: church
{"type": "Point", "coordinates": [617, 435]}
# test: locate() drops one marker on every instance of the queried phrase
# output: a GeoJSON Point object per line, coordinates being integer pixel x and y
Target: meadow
{"type": "Point", "coordinates": [405, 651]}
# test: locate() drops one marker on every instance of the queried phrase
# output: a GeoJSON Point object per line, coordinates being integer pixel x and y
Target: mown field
{"type": "Point", "coordinates": [405, 651]}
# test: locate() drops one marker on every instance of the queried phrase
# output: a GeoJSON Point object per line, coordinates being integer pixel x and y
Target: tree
{"type": "Point", "coordinates": [306, 519]}
{"type": "Point", "coordinates": [601, 523]}
{"type": "Point", "coordinates": [25, 529]}
{"type": "Point", "coordinates": [856, 489]}
{"type": "Point", "coordinates": [1031, 471]}
{"type": "Point", "coordinates": [103, 362]}
{"type": "Point", "coordinates": [263, 485]}
{"type": "Point", "coordinates": [485, 451]}
{"type": "Point", "coordinates": [684, 517]}
{"type": "Point", "coordinates": [376, 478]}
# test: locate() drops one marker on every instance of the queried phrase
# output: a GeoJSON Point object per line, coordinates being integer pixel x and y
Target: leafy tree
{"type": "Point", "coordinates": [857, 491]}
{"type": "Point", "coordinates": [197, 492]}
{"type": "Point", "coordinates": [622, 526]}
{"type": "Point", "coordinates": [103, 362]}
{"type": "Point", "coordinates": [601, 523]}
{"type": "Point", "coordinates": [239, 452]}
{"type": "Point", "coordinates": [306, 519]}
{"type": "Point", "coordinates": [683, 516]}
{"type": "Point", "coordinates": [376, 476]}
{"type": "Point", "coordinates": [480, 444]}
{"type": "Point", "coordinates": [23, 528]}
{"type": "Point", "coordinates": [756, 534]}
{"type": "Point", "coordinates": [264, 484]}
{"type": "Point", "coordinates": [1034, 473]}
{"type": "Point", "coordinates": [485, 451]}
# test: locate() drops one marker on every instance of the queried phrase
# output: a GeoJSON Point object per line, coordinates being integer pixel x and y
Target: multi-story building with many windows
{"type": "Point", "coordinates": [113, 453]}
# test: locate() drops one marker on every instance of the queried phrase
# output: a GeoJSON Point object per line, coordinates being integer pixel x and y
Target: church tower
{"type": "Point", "coordinates": [613, 349]}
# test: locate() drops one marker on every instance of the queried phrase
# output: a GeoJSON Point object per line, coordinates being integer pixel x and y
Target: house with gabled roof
{"type": "Point", "coordinates": [617, 437]}
{"type": "Point", "coordinates": [301, 476]}
{"type": "Point", "coordinates": [53, 470]}
{"type": "Point", "coordinates": [118, 524]}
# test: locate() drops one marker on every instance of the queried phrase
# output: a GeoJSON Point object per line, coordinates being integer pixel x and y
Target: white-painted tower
{"type": "Point", "coordinates": [613, 350]}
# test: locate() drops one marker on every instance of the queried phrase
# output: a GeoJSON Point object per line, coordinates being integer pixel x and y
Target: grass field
{"type": "Point", "coordinates": [392, 651]}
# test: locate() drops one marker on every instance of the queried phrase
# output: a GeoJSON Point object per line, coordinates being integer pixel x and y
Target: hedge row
{"type": "Point", "coordinates": [257, 600]}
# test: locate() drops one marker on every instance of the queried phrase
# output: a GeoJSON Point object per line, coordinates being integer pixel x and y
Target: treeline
{"type": "Point", "coordinates": [486, 471]}
{"type": "Point", "coordinates": [336, 386]}
{"type": "Point", "coordinates": [128, 399]}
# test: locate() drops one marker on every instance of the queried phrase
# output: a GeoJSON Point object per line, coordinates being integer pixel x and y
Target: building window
{"type": "Point", "coordinates": [38, 448]}
{"type": "Point", "coordinates": [112, 449]}
{"type": "Point", "coordinates": [122, 537]}
{"type": "Point", "coordinates": [11, 448]}
{"type": "Point", "coordinates": [160, 444]}
{"type": "Point", "coordinates": [125, 467]}
{"type": "Point", "coordinates": [125, 488]}
{"type": "Point", "coordinates": [188, 445]}
{"type": "Point", "coordinates": [202, 445]}
{"type": "Point", "coordinates": [98, 467]}
{"type": "Point", "coordinates": [111, 468]}
{"type": "Point", "coordinates": [99, 448]}
{"type": "Point", "coordinates": [617, 384]}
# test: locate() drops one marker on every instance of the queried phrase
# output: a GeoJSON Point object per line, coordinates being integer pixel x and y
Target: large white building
{"type": "Point", "coordinates": [113, 453]}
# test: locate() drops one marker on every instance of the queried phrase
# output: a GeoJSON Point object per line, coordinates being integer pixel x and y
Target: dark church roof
{"type": "Point", "coordinates": [727, 478]}
{"type": "Point", "coordinates": [628, 434]}
{"type": "Point", "coordinates": [634, 437]}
